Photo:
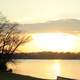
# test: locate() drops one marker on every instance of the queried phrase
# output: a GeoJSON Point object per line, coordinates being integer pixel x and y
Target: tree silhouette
{"type": "Point", "coordinates": [10, 39]}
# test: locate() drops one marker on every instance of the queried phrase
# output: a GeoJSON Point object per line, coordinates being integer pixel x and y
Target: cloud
{"type": "Point", "coordinates": [62, 25]}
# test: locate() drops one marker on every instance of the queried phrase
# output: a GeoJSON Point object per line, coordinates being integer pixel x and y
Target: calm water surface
{"type": "Point", "coordinates": [49, 69]}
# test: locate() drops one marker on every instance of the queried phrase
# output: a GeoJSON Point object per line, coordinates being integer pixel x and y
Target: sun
{"type": "Point", "coordinates": [54, 41]}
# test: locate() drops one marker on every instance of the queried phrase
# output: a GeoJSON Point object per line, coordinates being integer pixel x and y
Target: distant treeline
{"type": "Point", "coordinates": [46, 55]}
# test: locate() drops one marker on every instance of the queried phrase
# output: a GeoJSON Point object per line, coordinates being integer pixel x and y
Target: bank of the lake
{"type": "Point", "coordinates": [13, 76]}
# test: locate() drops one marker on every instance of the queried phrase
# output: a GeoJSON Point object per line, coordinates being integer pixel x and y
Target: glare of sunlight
{"type": "Point", "coordinates": [55, 41]}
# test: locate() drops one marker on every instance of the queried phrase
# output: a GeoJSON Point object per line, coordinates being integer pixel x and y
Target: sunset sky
{"type": "Point", "coordinates": [45, 11]}
{"type": "Point", "coordinates": [33, 11]}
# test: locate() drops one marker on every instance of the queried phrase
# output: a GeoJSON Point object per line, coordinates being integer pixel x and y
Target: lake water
{"type": "Point", "coordinates": [49, 69]}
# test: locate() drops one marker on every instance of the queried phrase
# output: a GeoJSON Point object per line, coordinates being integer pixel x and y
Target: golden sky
{"type": "Point", "coordinates": [37, 11]}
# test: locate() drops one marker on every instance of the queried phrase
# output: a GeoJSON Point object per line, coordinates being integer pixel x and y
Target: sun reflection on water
{"type": "Point", "coordinates": [56, 68]}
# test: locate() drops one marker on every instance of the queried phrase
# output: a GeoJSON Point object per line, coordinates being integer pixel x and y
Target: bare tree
{"type": "Point", "coordinates": [10, 40]}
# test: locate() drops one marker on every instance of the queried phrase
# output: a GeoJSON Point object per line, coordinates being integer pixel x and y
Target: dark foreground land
{"type": "Point", "coordinates": [12, 76]}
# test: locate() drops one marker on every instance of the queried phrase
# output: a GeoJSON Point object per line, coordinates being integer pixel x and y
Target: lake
{"type": "Point", "coordinates": [49, 69]}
